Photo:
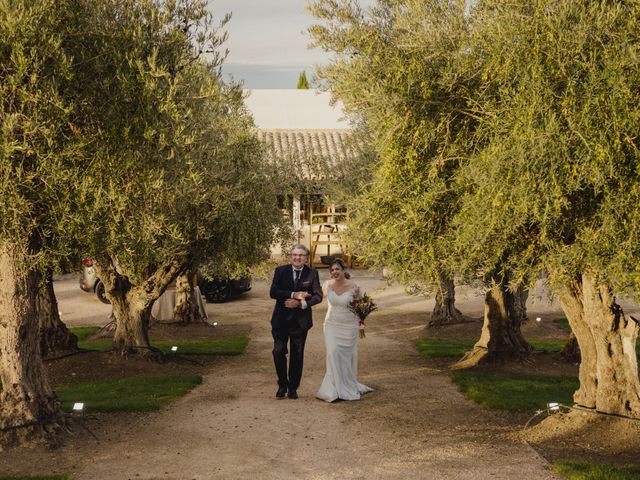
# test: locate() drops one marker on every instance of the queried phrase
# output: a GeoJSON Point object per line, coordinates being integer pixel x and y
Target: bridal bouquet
{"type": "Point", "coordinates": [362, 307]}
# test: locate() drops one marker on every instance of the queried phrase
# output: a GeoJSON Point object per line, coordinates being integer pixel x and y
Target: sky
{"type": "Point", "coordinates": [267, 41]}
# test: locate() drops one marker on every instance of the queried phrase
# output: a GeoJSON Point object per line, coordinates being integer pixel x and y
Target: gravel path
{"type": "Point", "coordinates": [415, 425]}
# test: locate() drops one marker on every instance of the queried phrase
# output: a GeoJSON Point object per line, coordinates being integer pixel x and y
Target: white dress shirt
{"type": "Point", "coordinates": [303, 303]}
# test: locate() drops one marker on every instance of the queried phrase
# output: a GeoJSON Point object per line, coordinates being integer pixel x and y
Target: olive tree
{"type": "Point", "coordinates": [55, 337]}
{"type": "Point", "coordinates": [395, 69]}
{"type": "Point", "coordinates": [119, 140]}
{"type": "Point", "coordinates": [177, 178]}
{"type": "Point", "coordinates": [555, 184]}
{"type": "Point", "coordinates": [40, 155]}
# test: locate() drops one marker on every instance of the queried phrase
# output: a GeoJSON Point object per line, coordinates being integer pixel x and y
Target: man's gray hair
{"type": "Point", "coordinates": [300, 247]}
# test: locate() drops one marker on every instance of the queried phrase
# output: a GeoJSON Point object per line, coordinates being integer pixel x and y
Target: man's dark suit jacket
{"type": "Point", "coordinates": [283, 286]}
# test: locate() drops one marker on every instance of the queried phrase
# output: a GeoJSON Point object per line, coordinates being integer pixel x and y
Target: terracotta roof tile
{"type": "Point", "coordinates": [310, 148]}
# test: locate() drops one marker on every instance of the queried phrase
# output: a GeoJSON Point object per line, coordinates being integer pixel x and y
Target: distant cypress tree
{"type": "Point", "coordinates": [302, 81]}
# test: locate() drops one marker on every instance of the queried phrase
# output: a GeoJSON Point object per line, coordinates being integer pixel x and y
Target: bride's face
{"type": "Point", "coordinates": [336, 272]}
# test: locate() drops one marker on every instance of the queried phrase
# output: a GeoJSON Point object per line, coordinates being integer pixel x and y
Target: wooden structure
{"type": "Point", "coordinates": [325, 231]}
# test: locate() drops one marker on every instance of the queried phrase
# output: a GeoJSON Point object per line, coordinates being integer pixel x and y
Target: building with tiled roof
{"type": "Point", "coordinates": [304, 131]}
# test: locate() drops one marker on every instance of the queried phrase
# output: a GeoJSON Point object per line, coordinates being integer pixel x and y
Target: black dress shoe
{"type": "Point", "coordinates": [293, 395]}
{"type": "Point", "coordinates": [281, 393]}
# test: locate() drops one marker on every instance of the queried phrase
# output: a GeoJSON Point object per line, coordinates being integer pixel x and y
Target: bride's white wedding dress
{"type": "Point", "coordinates": [341, 346]}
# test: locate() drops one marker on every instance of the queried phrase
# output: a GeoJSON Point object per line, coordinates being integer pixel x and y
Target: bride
{"type": "Point", "coordinates": [340, 338]}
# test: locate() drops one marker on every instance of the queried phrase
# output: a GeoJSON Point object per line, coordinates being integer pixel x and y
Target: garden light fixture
{"type": "Point", "coordinates": [553, 407]}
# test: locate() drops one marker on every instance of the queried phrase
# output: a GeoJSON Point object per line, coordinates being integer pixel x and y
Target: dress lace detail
{"type": "Point", "coordinates": [341, 346]}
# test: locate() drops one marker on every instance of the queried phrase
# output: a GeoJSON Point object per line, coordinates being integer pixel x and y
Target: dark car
{"type": "Point", "coordinates": [89, 281]}
{"type": "Point", "coordinates": [220, 290]}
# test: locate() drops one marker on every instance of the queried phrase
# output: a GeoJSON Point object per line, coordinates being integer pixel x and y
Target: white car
{"type": "Point", "coordinates": [89, 281]}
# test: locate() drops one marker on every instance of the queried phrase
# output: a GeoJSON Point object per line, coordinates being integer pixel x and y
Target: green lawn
{"type": "Point", "coordinates": [523, 393]}
{"type": "Point", "coordinates": [83, 332]}
{"type": "Point", "coordinates": [137, 394]}
{"type": "Point", "coordinates": [563, 323]}
{"type": "Point", "coordinates": [132, 394]}
{"type": "Point", "coordinates": [588, 471]}
{"type": "Point", "coordinates": [547, 345]}
{"type": "Point", "coordinates": [515, 393]}
{"type": "Point", "coordinates": [438, 347]}
{"type": "Point", "coordinates": [209, 346]}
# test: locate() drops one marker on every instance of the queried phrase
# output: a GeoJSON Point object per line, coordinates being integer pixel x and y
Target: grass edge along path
{"type": "Point", "coordinates": [523, 393]}
{"type": "Point", "coordinates": [205, 346]}
{"type": "Point", "coordinates": [592, 471]}
{"type": "Point", "coordinates": [130, 394]}
{"type": "Point", "coordinates": [508, 392]}
{"type": "Point", "coordinates": [515, 393]}
{"type": "Point", "coordinates": [442, 347]}
{"type": "Point", "coordinates": [140, 394]}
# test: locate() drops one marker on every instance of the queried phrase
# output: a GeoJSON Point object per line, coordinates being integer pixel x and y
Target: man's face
{"type": "Point", "coordinates": [298, 257]}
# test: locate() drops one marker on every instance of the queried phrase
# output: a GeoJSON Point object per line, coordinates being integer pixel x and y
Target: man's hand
{"type": "Point", "coordinates": [292, 303]}
{"type": "Point", "coordinates": [301, 295]}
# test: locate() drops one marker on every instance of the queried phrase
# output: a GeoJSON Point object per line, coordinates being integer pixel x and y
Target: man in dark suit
{"type": "Point", "coordinates": [296, 288]}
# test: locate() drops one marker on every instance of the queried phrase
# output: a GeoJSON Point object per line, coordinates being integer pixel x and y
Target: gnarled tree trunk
{"type": "Point", "coordinates": [445, 311]}
{"type": "Point", "coordinates": [501, 338]}
{"type": "Point", "coordinates": [29, 410]}
{"type": "Point", "coordinates": [607, 340]}
{"type": "Point", "coordinates": [571, 350]}
{"type": "Point", "coordinates": [55, 337]}
{"type": "Point", "coordinates": [132, 316]}
{"type": "Point", "coordinates": [132, 304]}
{"type": "Point", "coordinates": [186, 309]}
{"type": "Point", "coordinates": [520, 297]}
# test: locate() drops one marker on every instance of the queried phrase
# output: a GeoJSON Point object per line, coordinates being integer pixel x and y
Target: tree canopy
{"type": "Point", "coordinates": [556, 185]}
{"type": "Point", "coordinates": [176, 166]}
{"type": "Point", "coordinates": [415, 113]}
{"type": "Point", "coordinates": [508, 142]}
{"type": "Point", "coordinates": [41, 150]}
{"type": "Point", "coordinates": [119, 140]}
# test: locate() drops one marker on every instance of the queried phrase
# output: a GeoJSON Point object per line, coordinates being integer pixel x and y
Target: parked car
{"type": "Point", "coordinates": [220, 290]}
{"type": "Point", "coordinates": [217, 290]}
{"type": "Point", "coordinates": [89, 281]}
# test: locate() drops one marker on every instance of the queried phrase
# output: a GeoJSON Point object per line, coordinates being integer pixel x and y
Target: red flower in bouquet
{"type": "Point", "coordinates": [362, 307]}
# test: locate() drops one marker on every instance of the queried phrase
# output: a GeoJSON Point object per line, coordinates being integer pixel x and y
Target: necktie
{"type": "Point", "coordinates": [297, 278]}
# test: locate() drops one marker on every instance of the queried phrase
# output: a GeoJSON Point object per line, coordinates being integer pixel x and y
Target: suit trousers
{"type": "Point", "coordinates": [290, 333]}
